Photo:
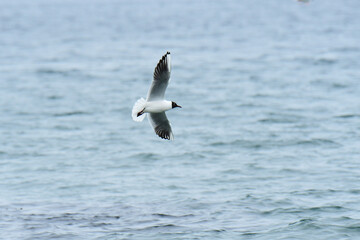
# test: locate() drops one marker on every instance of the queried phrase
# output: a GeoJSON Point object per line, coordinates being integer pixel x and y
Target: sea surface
{"type": "Point", "coordinates": [267, 144]}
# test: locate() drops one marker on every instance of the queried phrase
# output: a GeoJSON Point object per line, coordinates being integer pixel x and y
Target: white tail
{"type": "Point", "coordinates": [138, 107]}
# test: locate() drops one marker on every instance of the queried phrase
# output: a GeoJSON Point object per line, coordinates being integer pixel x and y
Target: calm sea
{"type": "Point", "coordinates": [267, 144]}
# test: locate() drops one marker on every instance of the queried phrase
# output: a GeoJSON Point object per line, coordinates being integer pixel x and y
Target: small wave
{"type": "Point", "coordinates": [145, 156]}
{"type": "Point", "coordinates": [50, 71]}
{"type": "Point", "coordinates": [339, 85]}
{"type": "Point", "coordinates": [355, 227]}
{"type": "Point", "coordinates": [216, 230]}
{"type": "Point", "coordinates": [107, 217]}
{"type": "Point", "coordinates": [355, 191]}
{"type": "Point", "coordinates": [348, 116]}
{"type": "Point", "coordinates": [162, 215]}
{"type": "Point", "coordinates": [347, 49]}
{"type": "Point", "coordinates": [291, 210]}
{"type": "Point", "coordinates": [266, 144]}
{"type": "Point", "coordinates": [278, 120]}
{"type": "Point", "coordinates": [160, 226]}
{"type": "Point", "coordinates": [22, 113]}
{"type": "Point", "coordinates": [54, 97]}
{"type": "Point", "coordinates": [325, 61]}
{"type": "Point", "coordinates": [249, 233]}
{"type": "Point", "coordinates": [64, 217]}
{"type": "Point", "coordinates": [327, 208]}
{"type": "Point", "coordinates": [282, 210]}
{"type": "Point", "coordinates": [189, 155]}
{"type": "Point", "coordinates": [232, 171]}
{"type": "Point", "coordinates": [322, 60]}
{"type": "Point", "coordinates": [66, 114]}
{"type": "Point", "coordinates": [304, 221]}
{"type": "Point", "coordinates": [316, 191]}
{"type": "Point", "coordinates": [318, 142]}
{"type": "Point", "coordinates": [66, 128]}
{"type": "Point", "coordinates": [243, 143]}
{"type": "Point", "coordinates": [101, 224]}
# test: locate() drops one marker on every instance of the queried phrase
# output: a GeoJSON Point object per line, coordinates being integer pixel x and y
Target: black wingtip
{"type": "Point", "coordinates": [167, 53]}
{"type": "Point", "coordinates": [162, 133]}
{"type": "Point", "coordinates": [163, 57]}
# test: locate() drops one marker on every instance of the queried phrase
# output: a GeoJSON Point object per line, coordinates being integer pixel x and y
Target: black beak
{"type": "Point", "coordinates": [174, 105]}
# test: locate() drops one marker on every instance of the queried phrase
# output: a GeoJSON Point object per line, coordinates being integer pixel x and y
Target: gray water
{"type": "Point", "coordinates": [266, 144]}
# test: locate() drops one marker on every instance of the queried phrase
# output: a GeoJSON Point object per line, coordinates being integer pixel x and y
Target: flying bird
{"type": "Point", "coordinates": [155, 104]}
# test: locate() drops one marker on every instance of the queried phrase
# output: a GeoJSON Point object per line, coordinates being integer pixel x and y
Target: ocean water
{"type": "Point", "coordinates": [267, 144]}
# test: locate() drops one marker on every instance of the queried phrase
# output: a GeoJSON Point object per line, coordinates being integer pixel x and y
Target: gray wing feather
{"type": "Point", "coordinates": [161, 125]}
{"type": "Point", "coordinates": [161, 79]}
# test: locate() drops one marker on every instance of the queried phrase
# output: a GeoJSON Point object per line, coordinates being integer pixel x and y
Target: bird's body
{"type": "Point", "coordinates": [155, 105]}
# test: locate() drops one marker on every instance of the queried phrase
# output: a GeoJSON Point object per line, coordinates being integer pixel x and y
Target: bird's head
{"type": "Point", "coordinates": [174, 105]}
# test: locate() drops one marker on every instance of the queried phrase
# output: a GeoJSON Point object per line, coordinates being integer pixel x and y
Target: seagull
{"type": "Point", "coordinates": [155, 104]}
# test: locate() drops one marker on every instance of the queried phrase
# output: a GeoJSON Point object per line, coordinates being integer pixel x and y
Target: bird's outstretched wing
{"type": "Point", "coordinates": [161, 79]}
{"type": "Point", "coordinates": [161, 125]}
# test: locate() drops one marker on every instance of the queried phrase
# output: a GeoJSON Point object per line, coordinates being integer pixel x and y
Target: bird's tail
{"type": "Point", "coordinates": [139, 106]}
